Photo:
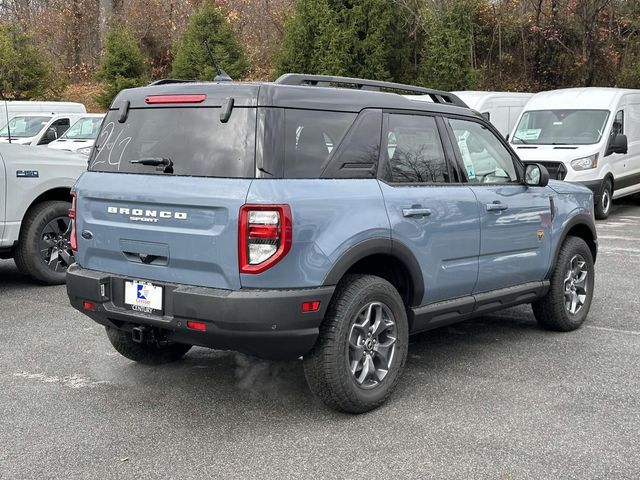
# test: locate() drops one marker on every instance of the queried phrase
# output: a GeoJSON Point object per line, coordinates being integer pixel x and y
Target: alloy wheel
{"type": "Point", "coordinates": [372, 344]}
{"type": "Point", "coordinates": [55, 246]}
{"type": "Point", "coordinates": [575, 284]}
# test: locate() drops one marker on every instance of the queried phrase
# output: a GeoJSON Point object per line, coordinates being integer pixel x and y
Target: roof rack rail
{"type": "Point", "coordinates": [438, 96]}
{"type": "Point", "coordinates": [166, 81]}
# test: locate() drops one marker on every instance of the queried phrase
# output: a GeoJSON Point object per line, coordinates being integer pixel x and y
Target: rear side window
{"type": "Point", "coordinates": [194, 139]}
{"type": "Point", "coordinates": [309, 138]}
{"type": "Point", "coordinates": [414, 150]}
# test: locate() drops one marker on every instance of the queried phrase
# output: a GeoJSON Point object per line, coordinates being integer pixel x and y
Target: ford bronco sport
{"type": "Point", "coordinates": [303, 218]}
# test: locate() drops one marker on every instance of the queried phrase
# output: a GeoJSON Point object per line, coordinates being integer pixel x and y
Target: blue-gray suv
{"type": "Point", "coordinates": [319, 217]}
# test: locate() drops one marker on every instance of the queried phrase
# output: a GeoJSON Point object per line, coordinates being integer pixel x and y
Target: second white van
{"type": "Point", "coordinates": [586, 135]}
{"type": "Point", "coordinates": [502, 109]}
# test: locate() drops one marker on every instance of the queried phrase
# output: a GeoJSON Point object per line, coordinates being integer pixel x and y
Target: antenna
{"type": "Point", "coordinates": [222, 76]}
{"type": "Point", "coordinates": [6, 111]}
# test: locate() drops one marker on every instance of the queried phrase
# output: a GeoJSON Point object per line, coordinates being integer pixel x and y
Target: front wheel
{"type": "Point", "coordinates": [362, 347]}
{"type": "Point", "coordinates": [566, 305]}
{"type": "Point", "coordinates": [44, 250]}
{"type": "Point", "coordinates": [603, 208]}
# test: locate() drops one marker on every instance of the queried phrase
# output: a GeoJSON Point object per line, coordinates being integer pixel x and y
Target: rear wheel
{"type": "Point", "coordinates": [362, 347]}
{"type": "Point", "coordinates": [567, 303]}
{"type": "Point", "coordinates": [145, 353]}
{"type": "Point", "coordinates": [604, 205]}
{"type": "Point", "coordinates": [44, 251]}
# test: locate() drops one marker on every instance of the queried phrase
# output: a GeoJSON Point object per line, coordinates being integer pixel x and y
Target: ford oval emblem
{"type": "Point", "coordinates": [87, 235]}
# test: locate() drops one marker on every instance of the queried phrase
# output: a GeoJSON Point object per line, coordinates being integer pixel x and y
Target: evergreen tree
{"type": "Point", "coordinates": [447, 56]}
{"type": "Point", "coordinates": [361, 38]}
{"type": "Point", "coordinates": [24, 71]}
{"type": "Point", "coordinates": [191, 59]}
{"type": "Point", "coordinates": [122, 65]}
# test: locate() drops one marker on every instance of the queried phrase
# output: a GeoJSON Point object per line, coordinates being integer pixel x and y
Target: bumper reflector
{"type": "Point", "coordinates": [312, 306]}
{"type": "Point", "coordinates": [87, 305]}
{"type": "Point", "coordinates": [201, 327]}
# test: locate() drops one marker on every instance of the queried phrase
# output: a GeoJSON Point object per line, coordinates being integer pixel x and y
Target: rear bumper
{"type": "Point", "coordinates": [265, 323]}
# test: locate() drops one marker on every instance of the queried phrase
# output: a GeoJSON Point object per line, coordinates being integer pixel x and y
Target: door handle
{"type": "Point", "coordinates": [496, 206]}
{"type": "Point", "coordinates": [416, 212]}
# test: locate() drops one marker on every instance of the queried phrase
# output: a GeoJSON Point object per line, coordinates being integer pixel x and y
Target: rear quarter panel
{"type": "Point", "coordinates": [329, 217]}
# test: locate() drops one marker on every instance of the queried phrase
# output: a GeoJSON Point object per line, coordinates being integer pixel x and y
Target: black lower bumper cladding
{"type": "Point", "coordinates": [265, 323]}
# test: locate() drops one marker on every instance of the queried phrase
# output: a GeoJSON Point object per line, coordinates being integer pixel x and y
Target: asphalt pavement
{"type": "Point", "coordinates": [494, 398]}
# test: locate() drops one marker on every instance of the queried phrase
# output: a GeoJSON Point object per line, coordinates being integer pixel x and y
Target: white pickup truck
{"type": "Point", "coordinates": [35, 199]}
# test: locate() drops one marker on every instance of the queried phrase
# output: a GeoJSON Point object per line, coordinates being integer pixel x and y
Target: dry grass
{"type": "Point", "coordinates": [84, 93]}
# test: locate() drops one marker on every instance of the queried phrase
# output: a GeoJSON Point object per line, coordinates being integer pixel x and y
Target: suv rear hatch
{"type": "Point", "coordinates": [165, 184]}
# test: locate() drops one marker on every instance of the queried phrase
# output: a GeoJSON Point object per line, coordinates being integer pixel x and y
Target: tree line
{"type": "Point", "coordinates": [526, 45]}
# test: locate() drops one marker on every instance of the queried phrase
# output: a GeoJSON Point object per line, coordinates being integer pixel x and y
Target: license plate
{"type": "Point", "coordinates": [143, 296]}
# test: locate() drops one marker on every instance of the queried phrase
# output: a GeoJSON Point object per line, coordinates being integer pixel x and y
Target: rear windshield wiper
{"type": "Point", "coordinates": [163, 164]}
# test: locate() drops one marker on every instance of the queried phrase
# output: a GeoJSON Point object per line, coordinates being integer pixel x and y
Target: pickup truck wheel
{"type": "Point", "coordinates": [603, 208]}
{"type": "Point", "coordinates": [362, 347]}
{"type": "Point", "coordinates": [145, 353]}
{"type": "Point", "coordinates": [44, 252]}
{"type": "Point", "coordinates": [567, 303]}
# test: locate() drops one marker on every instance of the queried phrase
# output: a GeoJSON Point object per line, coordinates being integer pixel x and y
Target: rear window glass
{"type": "Point", "coordinates": [194, 139]}
{"type": "Point", "coordinates": [309, 137]}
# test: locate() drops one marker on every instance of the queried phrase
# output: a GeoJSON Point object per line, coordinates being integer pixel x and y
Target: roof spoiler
{"type": "Point", "coordinates": [167, 81]}
{"type": "Point", "coordinates": [438, 96]}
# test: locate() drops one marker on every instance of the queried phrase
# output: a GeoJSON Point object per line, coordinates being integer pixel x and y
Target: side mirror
{"type": "Point", "coordinates": [536, 175]}
{"type": "Point", "coordinates": [618, 144]}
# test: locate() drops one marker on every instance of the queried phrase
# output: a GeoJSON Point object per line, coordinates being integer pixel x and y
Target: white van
{"type": "Point", "coordinates": [587, 135]}
{"type": "Point", "coordinates": [50, 108]}
{"type": "Point", "coordinates": [81, 136]}
{"type": "Point", "coordinates": [502, 109]}
{"type": "Point", "coordinates": [36, 128]}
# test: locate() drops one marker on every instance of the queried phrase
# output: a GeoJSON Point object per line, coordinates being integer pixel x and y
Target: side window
{"type": "Point", "coordinates": [486, 159]}
{"type": "Point", "coordinates": [61, 126]}
{"type": "Point", "coordinates": [618, 124]}
{"type": "Point", "coordinates": [357, 155]}
{"type": "Point", "coordinates": [309, 137]}
{"type": "Point", "coordinates": [414, 150]}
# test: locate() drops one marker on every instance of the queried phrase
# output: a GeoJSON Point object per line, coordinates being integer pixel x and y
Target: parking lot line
{"type": "Point", "coordinates": [615, 330]}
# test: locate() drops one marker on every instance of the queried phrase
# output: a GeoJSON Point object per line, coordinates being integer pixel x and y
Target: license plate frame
{"type": "Point", "coordinates": [143, 296]}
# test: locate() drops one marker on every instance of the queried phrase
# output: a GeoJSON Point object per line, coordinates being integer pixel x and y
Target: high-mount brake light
{"type": "Point", "coordinates": [73, 240]}
{"type": "Point", "coordinates": [181, 98]}
{"type": "Point", "coordinates": [264, 236]}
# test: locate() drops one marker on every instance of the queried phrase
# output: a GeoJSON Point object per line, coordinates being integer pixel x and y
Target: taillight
{"type": "Point", "coordinates": [264, 236]}
{"type": "Point", "coordinates": [72, 215]}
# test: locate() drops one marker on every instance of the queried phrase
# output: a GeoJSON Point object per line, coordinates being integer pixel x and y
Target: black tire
{"type": "Point", "coordinates": [552, 311]}
{"type": "Point", "coordinates": [327, 366]}
{"type": "Point", "coordinates": [145, 353]}
{"type": "Point", "coordinates": [603, 208]}
{"type": "Point", "coordinates": [28, 256]}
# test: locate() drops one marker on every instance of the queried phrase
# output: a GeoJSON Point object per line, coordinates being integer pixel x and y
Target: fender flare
{"type": "Point", "coordinates": [580, 219]}
{"type": "Point", "coordinates": [379, 246]}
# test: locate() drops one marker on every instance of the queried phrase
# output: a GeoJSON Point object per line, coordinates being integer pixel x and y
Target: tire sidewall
{"type": "Point", "coordinates": [379, 292]}
{"type": "Point", "coordinates": [606, 194]}
{"type": "Point", "coordinates": [30, 239]}
{"type": "Point", "coordinates": [572, 247]}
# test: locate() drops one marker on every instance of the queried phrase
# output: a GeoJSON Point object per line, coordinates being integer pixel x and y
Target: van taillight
{"type": "Point", "coordinates": [72, 215]}
{"type": "Point", "coordinates": [264, 236]}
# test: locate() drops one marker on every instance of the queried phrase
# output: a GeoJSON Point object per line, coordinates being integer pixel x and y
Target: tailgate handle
{"type": "Point", "coordinates": [146, 258]}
